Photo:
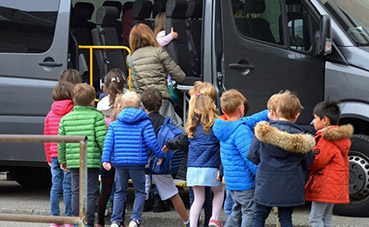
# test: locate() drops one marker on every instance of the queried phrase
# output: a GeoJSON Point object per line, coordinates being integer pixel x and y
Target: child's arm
{"type": "Point", "coordinates": [108, 148]}
{"type": "Point", "coordinates": [100, 130]}
{"type": "Point", "coordinates": [164, 40]}
{"type": "Point", "coordinates": [253, 153]}
{"type": "Point", "coordinates": [179, 142]}
{"type": "Point", "coordinates": [61, 146]}
{"type": "Point", "coordinates": [323, 155]}
{"type": "Point", "coordinates": [252, 120]}
{"type": "Point", "coordinates": [47, 145]}
{"type": "Point", "coordinates": [243, 141]}
{"type": "Point", "coordinates": [150, 140]}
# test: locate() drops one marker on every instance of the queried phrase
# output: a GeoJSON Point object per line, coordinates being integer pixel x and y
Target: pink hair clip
{"type": "Point", "coordinates": [197, 94]}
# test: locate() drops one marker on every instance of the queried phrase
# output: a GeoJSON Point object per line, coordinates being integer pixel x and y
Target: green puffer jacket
{"type": "Point", "coordinates": [82, 121]}
{"type": "Point", "coordinates": [151, 66]}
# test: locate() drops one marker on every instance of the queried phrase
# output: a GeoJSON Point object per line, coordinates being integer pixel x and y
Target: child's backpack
{"type": "Point", "coordinates": [172, 159]}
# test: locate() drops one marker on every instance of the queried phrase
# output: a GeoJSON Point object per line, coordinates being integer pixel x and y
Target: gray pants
{"type": "Point", "coordinates": [321, 214]}
{"type": "Point", "coordinates": [242, 210]}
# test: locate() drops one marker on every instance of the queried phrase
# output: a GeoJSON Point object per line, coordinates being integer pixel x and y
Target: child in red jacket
{"type": "Point", "coordinates": [62, 95]}
{"type": "Point", "coordinates": [329, 177]}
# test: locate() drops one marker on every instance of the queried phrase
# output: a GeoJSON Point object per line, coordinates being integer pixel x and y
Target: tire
{"type": "Point", "coordinates": [31, 177]}
{"type": "Point", "coordinates": [359, 179]}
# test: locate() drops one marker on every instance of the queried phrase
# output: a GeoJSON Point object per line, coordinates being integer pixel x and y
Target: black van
{"type": "Point", "coordinates": [316, 48]}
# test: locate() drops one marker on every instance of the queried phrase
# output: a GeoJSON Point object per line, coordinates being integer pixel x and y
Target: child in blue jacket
{"type": "Point", "coordinates": [235, 134]}
{"type": "Point", "coordinates": [126, 147]}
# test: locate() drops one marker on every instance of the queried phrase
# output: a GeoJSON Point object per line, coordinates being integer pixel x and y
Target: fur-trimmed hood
{"type": "Point", "coordinates": [338, 132]}
{"type": "Point", "coordinates": [296, 143]}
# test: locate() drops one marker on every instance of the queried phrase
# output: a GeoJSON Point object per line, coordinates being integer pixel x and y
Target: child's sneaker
{"type": "Point", "coordinates": [187, 224]}
{"type": "Point", "coordinates": [214, 223]}
{"type": "Point", "coordinates": [68, 225]}
{"type": "Point", "coordinates": [54, 225]}
{"type": "Point", "coordinates": [134, 223]}
{"type": "Point", "coordinates": [114, 224]}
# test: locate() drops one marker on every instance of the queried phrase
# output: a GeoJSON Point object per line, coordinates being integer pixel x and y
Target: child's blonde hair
{"type": "Point", "coordinates": [203, 88]}
{"type": "Point", "coordinates": [231, 100]}
{"type": "Point", "coordinates": [273, 102]}
{"type": "Point", "coordinates": [201, 110]}
{"type": "Point", "coordinates": [288, 105]}
{"type": "Point", "coordinates": [159, 23]}
{"type": "Point", "coordinates": [130, 100]}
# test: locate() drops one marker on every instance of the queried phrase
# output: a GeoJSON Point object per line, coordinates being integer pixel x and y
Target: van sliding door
{"type": "Point", "coordinates": [269, 47]}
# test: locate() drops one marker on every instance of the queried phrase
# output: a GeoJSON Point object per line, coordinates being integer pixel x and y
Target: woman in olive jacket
{"type": "Point", "coordinates": [150, 65]}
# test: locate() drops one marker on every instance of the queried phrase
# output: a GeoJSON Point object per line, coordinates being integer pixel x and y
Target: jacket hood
{"type": "Point", "coordinates": [62, 107]}
{"type": "Point", "coordinates": [132, 115]}
{"type": "Point", "coordinates": [223, 129]}
{"type": "Point", "coordinates": [296, 143]}
{"type": "Point", "coordinates": [337, 133]}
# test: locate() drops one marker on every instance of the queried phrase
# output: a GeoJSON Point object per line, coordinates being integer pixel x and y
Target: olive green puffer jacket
{"type": "Point", "coordinates": [150, 68]}
{"type": "Point", "coordinates": [82, 121]}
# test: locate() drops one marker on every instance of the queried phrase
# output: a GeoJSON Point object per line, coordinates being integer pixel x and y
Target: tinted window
{"type": "Point", "coordinates": [27, 26]}
{"type": "Point", "coordinates": [298, 26]}
{"type": "Point", "coordinates": [260, 20]}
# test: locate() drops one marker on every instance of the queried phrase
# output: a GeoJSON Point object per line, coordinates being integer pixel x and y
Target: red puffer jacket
{"type": "Point", "coordinates": [329, 177]}
{"type": "Point", "coordinates": [51, 127]}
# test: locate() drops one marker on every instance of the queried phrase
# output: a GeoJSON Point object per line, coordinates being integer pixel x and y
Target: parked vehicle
{"type": "Point", "coordinates": [316, 48]}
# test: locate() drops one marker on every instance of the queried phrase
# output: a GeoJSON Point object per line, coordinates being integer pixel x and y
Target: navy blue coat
{"type": "Point", "coordinates": [203, 150]}
{"type": "Point", "coordinates": [283, 154]}
{"type": "Point", "coordinates": [129, 138]}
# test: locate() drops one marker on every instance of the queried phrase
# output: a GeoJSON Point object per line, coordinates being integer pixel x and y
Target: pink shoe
{"type": "Point", "coordinates": [214, 223]}
{"type": "Point", "coordinates": [54, 225]}
{"type": "Point", "coordinates": [68, 225]}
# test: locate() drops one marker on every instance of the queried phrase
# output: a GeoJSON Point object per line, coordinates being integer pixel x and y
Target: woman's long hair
{"type": "Point", "coordinates": [141, 35]}
{"type": "Point", "coordinates": [201, 110]}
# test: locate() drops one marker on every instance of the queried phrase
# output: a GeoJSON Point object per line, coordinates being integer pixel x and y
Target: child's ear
{"type": "Point", "coordinates": [92, 103]}
{"type": "Point", "coordinates": [326, 121]}
{"type": "Point", "coordinates": [297, 116]}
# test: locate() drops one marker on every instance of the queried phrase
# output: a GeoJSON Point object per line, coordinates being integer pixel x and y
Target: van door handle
{"type": "Point", "coordinates": [244, 69]}
{"type": "Point", "coordinates": [50, 64]}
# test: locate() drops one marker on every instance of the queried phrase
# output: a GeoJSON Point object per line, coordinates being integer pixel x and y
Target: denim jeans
{"type": "Point", "coordinates": [92, 192]}
{"type": "Point", "coordinates": [60, 183]}
{"type": "Point", "coordinates": [228, 204]}
{"type": "Point", "coordinates": [208, 204]}
{"type": "Point", "coordinates": [262, 212]}
{"type": "Point", "coordinates": [243, 208]}
{"type": "Point", "coordinates": [122, 175]}
{"type": "Point", "coordinates": [321, 214]}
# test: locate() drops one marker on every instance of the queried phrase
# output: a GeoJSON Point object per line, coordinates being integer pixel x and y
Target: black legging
{"type": "Point", "coordinates": [107, 184]}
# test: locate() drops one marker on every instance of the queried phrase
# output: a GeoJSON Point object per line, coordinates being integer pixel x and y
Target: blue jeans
{"type": "Point", "coordinates": [261, 213]}
{"type": "Point", "coordinates": [228, 204]}
{"type": "Point", "coordinates": [321, 214]}
{"type": "Point", "coordinates": [208, 204]}
{"type": "Point", "coordinates": [122, 174]}
{"type": "Point", "coordinates": [60, 182]}
{"type": "Point", "coordinates": [92, 192]}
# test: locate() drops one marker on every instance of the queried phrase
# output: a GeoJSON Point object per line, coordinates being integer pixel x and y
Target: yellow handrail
{"type": "Point", "coordinates": [91, 48]}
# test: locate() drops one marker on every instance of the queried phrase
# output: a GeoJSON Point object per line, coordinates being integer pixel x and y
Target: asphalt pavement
{"type": "Point", "coordinates": [15, 199]}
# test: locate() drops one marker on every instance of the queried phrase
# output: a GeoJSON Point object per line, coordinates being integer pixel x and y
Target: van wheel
{"type": "Point", "coordinates": [31, 177]}
{"type": "Point", "coordinates": [359, 179]}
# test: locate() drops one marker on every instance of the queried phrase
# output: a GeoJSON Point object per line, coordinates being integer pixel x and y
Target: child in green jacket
{"type": "Point", "coordinates": [84, 120]}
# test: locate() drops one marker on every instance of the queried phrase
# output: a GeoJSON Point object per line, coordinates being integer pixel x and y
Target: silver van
{"type": "Point", "coordinates": [316, 48]}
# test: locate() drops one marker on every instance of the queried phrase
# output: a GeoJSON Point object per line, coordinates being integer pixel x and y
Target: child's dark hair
{"type": "Point", "coordinates": [114, 84]}
{"type": "Point", "coordinates": [63, 91]}
{"type": "Point", "coordinates": [329, 109]}
{"type": "Point", "coordinates": [71, 75]}
{"type": "Point", "coordinates": [83, 94]}
{"type": "Point", "coordinates": [151, 98]}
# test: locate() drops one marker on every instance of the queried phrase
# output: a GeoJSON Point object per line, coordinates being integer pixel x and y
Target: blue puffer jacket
{"type": "Point", "coordinates": [283, 153]}
{"type": "Point", "coordinates": [235, 138]}
{"type": "Point", "coordinates": [203, 150]}
{"type": "Point", "coordinates": [129, 138]}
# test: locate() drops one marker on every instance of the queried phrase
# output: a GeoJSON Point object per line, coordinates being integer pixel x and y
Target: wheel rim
{"type": "Point", "coordinates": [359, 176]}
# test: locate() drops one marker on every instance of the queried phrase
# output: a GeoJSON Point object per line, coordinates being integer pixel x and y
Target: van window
{"type": "Point", "coordinates": [260, 20]}
{"type": "Point", "coordinates": [27, 26]}
{"type": "Point", "coordinates": [298, 26]}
